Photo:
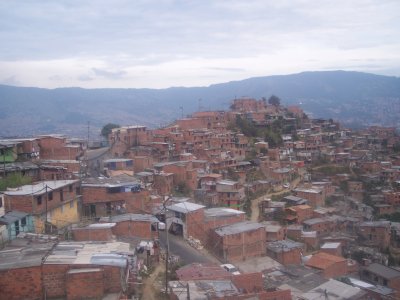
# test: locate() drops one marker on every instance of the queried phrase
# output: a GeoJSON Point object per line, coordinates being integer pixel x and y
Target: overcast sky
{"type": "Point", "coordinates": [158, 44]}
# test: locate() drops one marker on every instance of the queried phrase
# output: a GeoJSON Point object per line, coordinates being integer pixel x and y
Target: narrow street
{"type": "Point", "coordinates": [187, 254]}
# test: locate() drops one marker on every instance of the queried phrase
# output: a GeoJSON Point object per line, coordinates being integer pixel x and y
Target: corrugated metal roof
{"type": "Point", "coordinates": [12, 216]}
{"type": "Point", "coordinates": [334, 289]}
{"type": "Point", "coordinates": [383, 271]}
{"type": "Point", "coordinates": [221, 212]}
{"type": "Point", "coordinates": [185, 207]}
{"type": "Point", "coordinates": [134, 217]}
{"type": "Point", "coordinates": [238, 228]}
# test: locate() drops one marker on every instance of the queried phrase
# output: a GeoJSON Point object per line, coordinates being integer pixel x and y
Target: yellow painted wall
{"type": "Point", "coordinates": [60, 216]}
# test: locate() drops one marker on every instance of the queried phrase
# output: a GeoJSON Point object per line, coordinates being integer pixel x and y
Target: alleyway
{"type": "Point", "coordinates": [255, 208]}
{"type": "Point", "coordinates": [150, 291]}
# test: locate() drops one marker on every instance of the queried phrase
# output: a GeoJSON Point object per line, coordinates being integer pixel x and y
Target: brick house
{"type": "Point", "coordinates": [199, 271]}
{"type": "Point", "coordinates": [24, 265]}
{"type": "Point", "coordinates": [114, 165]}
{"type": "Point", "coordinates": [331, 265]}
{"type": "Point", "coordinates": [123, 138]}
{"type": "Point", "coordinates": [315, 196]}
{"type": "Point", "coordinates": [54, 202]}
{"type": "Point", "coordinates": [230, 194]}
{"type": "Point", "coordinates": [298, 214]}
{"type": "Point", "coordinates": [86, 269]}
{"type": "Point", "coordinates": [294, 232]}
{"type": "Point", "coordinates": [15, 222]}
{"type": "Point", "coordinates": [135, 226]}
{"type": "Point", "coordinates": [111, 196]}
{"type": "Point", "coordinates": [94, 232]}
{"type": "Point", "coordinates": [50, 269]}
{"type": "Point", "coordinates": [323, 226]}
{"type": "Point", "coordinates": [220, 216]}
{"type": "Point", "coordinates": [183, 171]}
{"type": "Point", "coordinates": [186, 219]}
{"type": "Point", "coordinates": [392, 198]}
{"type": "Point", "coordinates": [164, 183]}
{"type": "Point", "coordinates": [274, 231]}
{"type": "Point", "coordinates": [286, 252]}
{"type": "Point", "coordinates": [381, 275]}
{"type": "Point", "coordinates": [375, 233]}
{"type": "Point", "coordinates": [52, 169]}
{"type": "Point", "coordinates": [58, 147]}
{"type": "Point", "coordinates": [332, 248]}
{"type": "Point", "coordinates": [238, 241]}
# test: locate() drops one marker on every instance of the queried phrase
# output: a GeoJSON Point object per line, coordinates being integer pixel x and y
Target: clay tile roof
{"type": "Point", "coordinates": [323, 260]}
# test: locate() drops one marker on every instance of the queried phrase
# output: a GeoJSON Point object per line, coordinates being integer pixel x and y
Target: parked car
{"type": "Point", "coordinates": [231, 269]}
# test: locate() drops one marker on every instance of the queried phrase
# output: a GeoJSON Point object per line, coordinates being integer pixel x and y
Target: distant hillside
{"type": "Point", "coordinates": [354, 98]}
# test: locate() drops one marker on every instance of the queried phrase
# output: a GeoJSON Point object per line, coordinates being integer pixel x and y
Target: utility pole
{"type": "Point", "coordinates": [47, 199]}
{"type": "Point", "coordinates": [88, 133]}
{"type": "Point", "coordinates": [4, 161]}
{"type": "Point", "coordinates": [167, 255]}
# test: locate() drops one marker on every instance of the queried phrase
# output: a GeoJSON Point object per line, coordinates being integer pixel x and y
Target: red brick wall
{"type": "Point", "coordinates": [212, 223]}
{"type": "Point", "coordinates": [135, 202]}
{"type": "Point", "coordinates": [195, 224]}
{"type": "Point", "coordinates": [239, 246]}
{"type": "Point", "coordinates": [86, 234]}
{"type": "Point", "coordinates": [376, 236]}
{"type": "Point", "coordinates": [112, 279]}
{"type": "Point", "coordinates": [21, 203]}
{"type": "Point", "coordinates": [336, 270]}
{"type": "Point", "coordinates": [28, 204]}
{"type": "Point", "coordinates": [21, 283]}
{"type": "Point", "coordinates": [134, 229]}
{"type": "Point", "coordinates": [249, 282]}
{"type": "Point", "coordinates": [85, 285]}
{"type": "Point", "coordinates": [55, 148]}
{"type": "Point", "coordinates": [54, 280]}
{"type": "Point", "coordinates": [292, 257]}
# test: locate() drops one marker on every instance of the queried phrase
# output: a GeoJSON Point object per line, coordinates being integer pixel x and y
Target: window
{"type": "Point", "coordinates": [1, 202]}
{"type": "Point", "coordinates": [39, 200]}
{"type": "Point", "coordinates": [23, 222]}
{"type": "Point", "coordinates": [61, 195]}
{"type": "Point", "coordinates": [50, 195]}
{"type": "Point", "coordinates": [78, 190]}
{"type": "Point", "coordinates": [70, 187]}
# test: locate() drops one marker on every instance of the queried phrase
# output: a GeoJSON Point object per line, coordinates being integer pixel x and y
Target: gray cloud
{"type": "Point", "coordinates": [128, 36]}
{"type": "Point", "coordinates": [85, 78]}
{"type": "Point", "coordinates": [109, 74]}
{"type": "Point", "coordinates": [12, 80]}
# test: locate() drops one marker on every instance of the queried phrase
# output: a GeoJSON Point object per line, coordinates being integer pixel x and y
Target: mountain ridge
{"type": "Point", "coordinates": [354, 98]}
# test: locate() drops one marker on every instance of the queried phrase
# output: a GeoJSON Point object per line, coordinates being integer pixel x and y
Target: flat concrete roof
{"type": "Point", "coordinates": [27, 250]}
{"type": "Point", "coordinates": [221, 212]}
{"type": "Point", "coordinates": [39, 188]}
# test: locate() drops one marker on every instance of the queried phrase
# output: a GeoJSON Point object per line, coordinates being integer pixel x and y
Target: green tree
{"type": "Point", "coordinates": [106, 130]}
{"type": "Point", "coordinates": [14, 180]}
{"type": "Point", "coordinates": [274, 100]}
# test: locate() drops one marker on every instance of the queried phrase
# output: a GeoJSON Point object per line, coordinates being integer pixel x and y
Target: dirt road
{"type": "Point", "coordinates": [255, 208]}
{"type": "Point", "coordinates": [149, 290]}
